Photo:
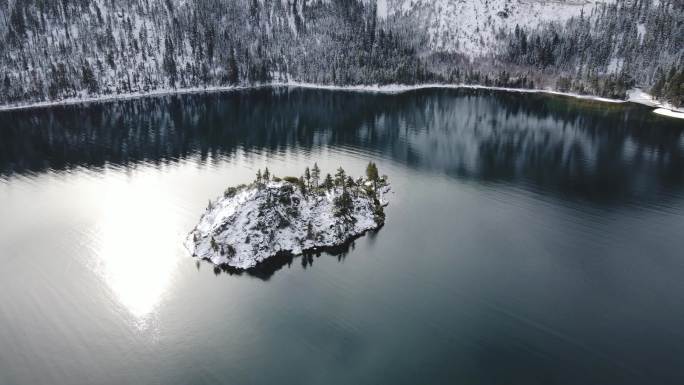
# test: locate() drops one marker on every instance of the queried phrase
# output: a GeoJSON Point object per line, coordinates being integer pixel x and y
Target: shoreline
{"type": "Point", "coordinates": [669, 113]}
{"type": "Point", "coordinates": [400, 88]}
{"type": "Point", "coordinates": [634, 96]}
{"type": "Point", "coordinates": [250, 224]}
{"type": "Point", "coordinates": [126, 96]}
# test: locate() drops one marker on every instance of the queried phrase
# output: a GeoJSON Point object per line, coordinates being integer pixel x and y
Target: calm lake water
{"type": "Point", "coordinates": [529, 240]}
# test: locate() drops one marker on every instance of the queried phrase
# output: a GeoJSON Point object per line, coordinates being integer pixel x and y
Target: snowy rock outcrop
{"type": "Point", "coordinates": [252, 223]}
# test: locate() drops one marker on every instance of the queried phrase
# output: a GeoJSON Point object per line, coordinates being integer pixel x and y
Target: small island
{"type": "Point", "coordinates": [288, 216]}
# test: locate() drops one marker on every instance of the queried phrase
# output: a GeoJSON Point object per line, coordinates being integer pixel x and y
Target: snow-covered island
{"type": "Point", "coordinates": [288, 216]}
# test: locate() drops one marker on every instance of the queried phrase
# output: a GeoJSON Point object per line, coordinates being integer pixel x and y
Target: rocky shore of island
{"type": "Point", "coordinates": [288, 216]}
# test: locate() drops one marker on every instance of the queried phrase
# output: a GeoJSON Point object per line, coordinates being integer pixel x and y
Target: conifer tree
{"type": "Point", "coordinates": [88, 79]}
{"type": "Point", "coordinates": [343, 203]}
{"type": "Point", "coordinates": [315, 174]}
{"type": "Point", "coordinates": [340, 177]}
{"type": "Point", "coordinates": [328, 182]}
{"type": "Point", "coordinates": [170, 62]}
{"type": "Point", "coordinates": [302, 186]}
{"type": "Point", "coordinates": [233, 75]}
{"type": "Point", "coordinates": [307, 176]}
{"type": "Point", "coordinates": [372, 174]}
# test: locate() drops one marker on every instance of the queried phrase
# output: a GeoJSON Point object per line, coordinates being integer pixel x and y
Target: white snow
{"type": "Point", "coordinates": [471, 26]}
{"type": "Point", "coordinates": [399, 88]}
{"type": "Point", "coordinates": [638, 96]}
{"type": "Point", "coordinates": [641, 31]}
{"type": "Point", "coordinates": [665, 109]}
{"type": "Point", "coordinates": [124, 96]}
{"type": "Point", "coordinates": [615, 65]}
{"type": "Point", "coordinates": [388, 89]}
{"type": "Point", "coordinates": [382, 9]}
{"type": "Point", "coordinates": [669, 113]}
{"type": "Point", "coordinates": [246, 229]}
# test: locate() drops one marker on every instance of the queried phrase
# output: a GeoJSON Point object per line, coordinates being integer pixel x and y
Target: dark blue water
{"type": "Point", "coordinates": [529, 240]}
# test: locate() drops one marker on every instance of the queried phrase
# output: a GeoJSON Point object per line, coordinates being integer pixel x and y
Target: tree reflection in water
{"type": "Point", "coordinates": [579, 149]}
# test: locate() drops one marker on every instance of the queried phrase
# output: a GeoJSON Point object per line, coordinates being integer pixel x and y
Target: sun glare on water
{"type": "Point", "coordinates": [138, 250]}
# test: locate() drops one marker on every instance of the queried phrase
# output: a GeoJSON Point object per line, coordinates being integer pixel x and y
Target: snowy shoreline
{"type": "Point", "coordinates": [669, 113]}
{"type": "Point", "coordinates": [127, 96]}
{"type": "Point", "coordinates": [634, 96]}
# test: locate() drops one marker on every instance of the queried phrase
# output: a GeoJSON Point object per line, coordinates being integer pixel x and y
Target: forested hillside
{"type": "Point", "coordinates": [69, 48]}
{"type": "Point", "coordinates": [609, 50]}
{"type": "Point", "coordinates": [474, 27]}
{"type": "Point", "coordinates": [53, 50]}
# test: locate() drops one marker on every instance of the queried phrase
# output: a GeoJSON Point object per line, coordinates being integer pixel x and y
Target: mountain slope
{"type": "Point", "coordinates": [471, 26]}
{"type": "Point", "coordinates": [54, 50]}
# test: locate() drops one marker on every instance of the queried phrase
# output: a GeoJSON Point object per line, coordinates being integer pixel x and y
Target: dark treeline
{"type": "Point", "coordinates": [52, 50]}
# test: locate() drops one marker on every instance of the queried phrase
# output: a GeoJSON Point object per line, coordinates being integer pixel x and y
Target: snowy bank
{"type": "Point", "coordinates": [400, 88]}
{"type": "Point", "coordinates": [384, 89]}
{"type": "Point", "coordinates": [272, 217]}
{"type": "Point", "coordinates": [634, 96]}
{"type": "Point", "coordinates": [669, 113]}
{"type": "Point", "coordinates": [87, 99]}
{"type": "Point", "coordinates": [664, 109]}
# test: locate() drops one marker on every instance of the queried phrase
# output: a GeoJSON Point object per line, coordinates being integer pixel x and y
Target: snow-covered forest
{"type": "Point", "coordinates": [610, 49]}
{"type": "Point", "coordinates": [53, 50]}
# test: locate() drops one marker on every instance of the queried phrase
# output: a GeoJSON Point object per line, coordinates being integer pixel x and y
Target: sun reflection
{"type": "Point", "coordinates": [137, 251]}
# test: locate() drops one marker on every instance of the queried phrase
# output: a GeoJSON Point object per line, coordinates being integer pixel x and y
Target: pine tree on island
{"type": "Point", "coordinates": [307, 177]}
{"type": "Point", "coordinates": [328, 183]}
{"type": "Point", "coordinates": [315, 175]}
{"type": "Point", "coordinates": [372, 175]}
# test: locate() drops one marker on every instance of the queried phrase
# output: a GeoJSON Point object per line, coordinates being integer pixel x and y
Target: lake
{"type": "Point", "coordinates": [530, 239]}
